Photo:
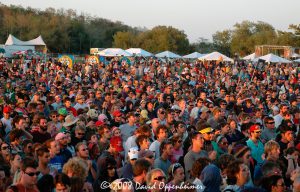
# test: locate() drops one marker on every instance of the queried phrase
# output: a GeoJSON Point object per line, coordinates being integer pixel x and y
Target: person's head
{"type": "Point", "coordinates": [142, 142]}
{"type": "Point", "coordinates": [286, 133]}
{"type": "Point", "coordinates": [148, 155]}
{"type": "Point", "coordinates": [161, 113]}
{"type": "Point", "coordinates": [155, 122]}
{"type": "Point", "coordinates": [62, 183]}
{"type": "Point", "coordinates": [272, 150]}
{"type": "Point", "coordinates": [198, 166]}
{"type": "Point", "coordinates": [177, 141]}
{"type": "Point", "coordinates": [46, 183]}
{"type": "Point", "coordinates": [166, 148]}
{"type": "Point", "coordinates": [131, 118]}
{"type": "Point", "coordinates": [222, 142]}
{"type": "Point", "coordinates": [242, 152]}
{"type": "Point", "coordinates": [15, 136]}
{"type": "Point", "coordinates": [29, 172]}
{"type": "Point", "coordinates": [255, 131]}
{"type": "Point", "coordinates": [237, 173]}
{"type": "Point", "coordinates": [76, 167]}
{"type": "Point", "coordinates": [180, 127]}
{"type": "Point", "coordinates": [43, 123]}
{"type": "Point", "coordinates": [156, 178]}
{"type": "Point", "coordinates": [53, 147]}
{"type": "Point", "coordinates": [270, 168]}
{"type": "Point", "coordinates": [43, 155]}
{"type": "Point", "coordinates": [211, 178]}
{"type": "Point", "coordinates": [206, 131]}
{"type": "Point", "coordinates": [161, 132]}
{"type": "Point", "coordinates": [197, 141]}
{"type": "Point", "coordinates": [274, 183]}
{"type": "Point", "coordinates": [15, 160]}
{"type": "Point", "coordinates": [19, 122]}
{"type": "Point", "coordinates": [104, 132]}
{"type": "Point", "coordinates": [176, 172]}
{"type": "Point", "coordinates": [283, 109]}
{"type": "Point", "coordinates": [82, 150]}
{"type": "Point", "coordinates": [141, 168]}
{"type": "Point", "coordinates": [269, 122]}
{"type": "Point", "coordinates": [80, 131]}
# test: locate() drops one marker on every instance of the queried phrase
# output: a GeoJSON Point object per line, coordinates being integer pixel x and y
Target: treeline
{"type": "Point", "coordinates": [65, 31]}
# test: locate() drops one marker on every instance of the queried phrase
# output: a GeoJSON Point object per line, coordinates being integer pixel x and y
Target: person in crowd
{"type": "Point", "coordinates": [162, 162]}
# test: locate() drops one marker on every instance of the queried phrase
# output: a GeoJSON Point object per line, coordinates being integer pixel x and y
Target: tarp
{"type": "Point", "coordinates": [113, 52]}
{"type": "Point", "coordinates": [139, 52]}
{"type": "Point", "coordinates": [216, 56]}
{"type": "Point", "coordinates": [250, 57]}
{"type": "Point", "coordinates": [11, 40]}
{"type": "Point", "coordinates": [271, 58]}
{"type": "Point", "coordinates": [167, 54]}
{"type": "Point", "coordinates": [194, 55]}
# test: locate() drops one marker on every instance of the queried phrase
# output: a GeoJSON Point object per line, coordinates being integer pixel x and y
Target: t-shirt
{"type": "Point", "coordinates": [127, 131]}
{"type": "Point", "coordinates": [155, 148]}
{"type": "Point", "coordinates": [40, 137]}
{"type": "Point", "coordinates": [256, 150]}
{"type": "Point", "coordinates": [7, 123]}
{"type": "Point", "coordinates": [190, 158]}
{"type": "Point", "coordinates": [162, 164]}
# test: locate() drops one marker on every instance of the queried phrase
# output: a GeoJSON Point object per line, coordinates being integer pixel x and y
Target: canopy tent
{"type": "Point", "coordinates": [14, 44]}
{"type": "Point", "coordinates": [167, 54]}
{"type": "Point", "coordinates": [271, 58]}
{"type": "Point", "coordinates": [295, 55]}
{"type": "Point", "coordinates": [113, 52]}
{"type": "Point", "coordinates": [139, 52]}
{"type": "Point", "coordinates": [250, 57]}
{"type": "Point", "coordinates": [216, 56]}
{"type": "Point", "coordinates": [194, 55]}
{"type": "Point", "coordinates": [11, 40]}
{"type": "Point", "coordinates": [297, 60]}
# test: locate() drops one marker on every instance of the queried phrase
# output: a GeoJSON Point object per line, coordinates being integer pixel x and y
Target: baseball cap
{"type": "Point", "coordinates": [254, 128]}
{"type": "Point", "coordinates": [7, 109]}
{"type": "Point", "coordinates": [117, 113]}
{"type": "Point", "coordinates": [133, 153]}
{"type": "Point", "coordinates": [60, 136]}
{"type": "Point", "coordinates": [63, 111]}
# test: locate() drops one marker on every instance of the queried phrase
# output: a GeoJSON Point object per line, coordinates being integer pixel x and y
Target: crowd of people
{"type": "Point", "coordinates": [152, 125]}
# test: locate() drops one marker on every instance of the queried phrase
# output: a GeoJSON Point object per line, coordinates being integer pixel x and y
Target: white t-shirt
{"type": "Point", "coordinates": [7, 124]}
{"type": "Point", "coordinates": [155, 148]}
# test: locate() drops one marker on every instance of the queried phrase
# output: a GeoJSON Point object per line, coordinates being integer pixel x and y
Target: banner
{"type": "Point", "coordinates": [66, 60]}
{"type": "Point", "coordinates": [92, 59]}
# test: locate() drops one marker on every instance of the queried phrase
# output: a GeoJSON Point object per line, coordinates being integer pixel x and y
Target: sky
{"type": "Point", "coordinates": [197, 18]}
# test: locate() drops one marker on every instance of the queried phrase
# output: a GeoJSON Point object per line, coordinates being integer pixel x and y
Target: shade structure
{"type": "Point", "coordinates": [216, 56]}
{"type": "Point", "coordinates": [139, 52]}
{"type": "Point", "coordinates": [168, 54]}
{"type": "Point", "coordinates": [295, 55]}
{"type": "Point", "coordinates": [113, 52]}
{"type": "Point", "coordinates": [250, 57]}
{"type": "Point", "coordinates": [194, 55]}
{"type": "Point", "coordinates": [271, 58]}
{"type": "Point", "coordinates": [297, 60]}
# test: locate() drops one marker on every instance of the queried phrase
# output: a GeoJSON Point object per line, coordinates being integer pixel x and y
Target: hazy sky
{"type": "Point", "coordinates": [197, 18]}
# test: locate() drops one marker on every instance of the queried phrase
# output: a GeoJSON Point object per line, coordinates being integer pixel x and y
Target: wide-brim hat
{"type": "Point", "coordinates": [70, 120]}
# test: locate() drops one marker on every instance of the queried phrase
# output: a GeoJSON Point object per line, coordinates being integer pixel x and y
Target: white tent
{"type": "Point", "coordinates": [139, 52]}
{"type": "Point", "coordinates": [297, 60]}
{"type": "Point", "coordinates": [215, 56]}
{"type": "Point", "coordinates": [167, 54]}
{"type": "Point", "coordinates": [11, 40]}
{"type": "Point", "coordinates": [14, 44]}
{"type": "Point", "coordinates": [295, 55]}
{"type": "Point", "coordinates": [250, 57]}
{"type": "Point", "coordinates": [113, 52]}
{"type": "Point", "coordinates": [271, 58]}
{"type": "Point", "coordinates": [194, 55]}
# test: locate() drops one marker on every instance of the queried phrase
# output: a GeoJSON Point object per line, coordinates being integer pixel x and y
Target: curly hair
{"type": "Point", "coordinates": [77, 166]}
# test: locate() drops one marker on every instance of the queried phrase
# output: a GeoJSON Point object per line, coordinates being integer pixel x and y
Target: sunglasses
{"type": "Point", "coordinates": [271, 122]}
{"type": "Point", "coordinates": [80, 133]}
{"type": "Point", "coordinates": [257, 132]}
{"type": "Point", "coordinates": [54, 116]}
{"type": "Point", "coordinates": [32, 174]}
{"type": "Point", "coordinates": [160, 178]}
{"type": "Point", "coordinates": [162, 112]}
{"type": "Point", "coordinates": [151, 157]}
{"type": "Point", "coordinates": [224, 143]}
{"type": "Point", "coordinates": [179, 141]}
{"type": "Point", "coordinates": [5, 147]}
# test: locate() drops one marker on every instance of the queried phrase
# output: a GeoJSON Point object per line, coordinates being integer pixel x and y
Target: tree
{"type": "Point", "coordinates": [125, 40]}
{"type": "Point", "coordinates": [222, 41]}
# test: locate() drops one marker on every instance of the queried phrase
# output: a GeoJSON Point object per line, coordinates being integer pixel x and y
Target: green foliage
{"type": "Point", "coordinates": [62, 30]}
{"type": "Point", "coordinates": [203, 46]}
